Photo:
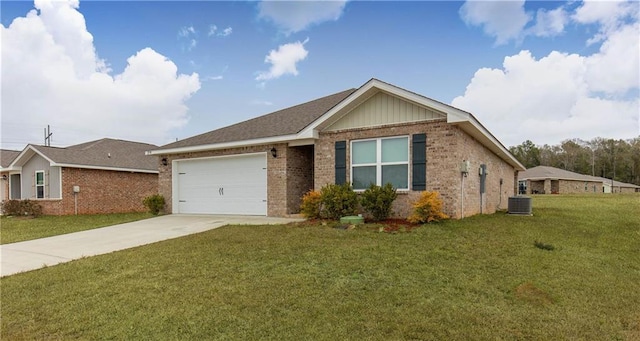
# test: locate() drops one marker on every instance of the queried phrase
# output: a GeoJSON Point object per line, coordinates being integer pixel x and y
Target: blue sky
{"type": "Point", "coordinates": [154, 71]}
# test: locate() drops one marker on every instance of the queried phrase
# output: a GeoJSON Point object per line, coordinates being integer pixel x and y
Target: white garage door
{"type": "Point", "coordinates": [222, 185]}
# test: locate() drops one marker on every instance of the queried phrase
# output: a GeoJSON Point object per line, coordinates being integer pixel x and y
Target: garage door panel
{"type": "Point", "coordinates": [227, 185]}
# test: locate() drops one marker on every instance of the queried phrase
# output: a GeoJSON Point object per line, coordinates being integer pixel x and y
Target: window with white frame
{"type": "Point", "coordinates": [40, 184]}
{"type": "Point", "coordinates": [380, 161]}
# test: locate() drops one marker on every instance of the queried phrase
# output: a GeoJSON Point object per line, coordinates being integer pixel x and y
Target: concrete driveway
{"type": "Point", "coordinates": [34, 254]}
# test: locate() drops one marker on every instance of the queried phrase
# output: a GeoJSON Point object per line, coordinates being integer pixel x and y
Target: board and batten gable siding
{"type": "Point", "coordinates": [51, 178]}
{"type": "Point", "coordinates": [383, 109]}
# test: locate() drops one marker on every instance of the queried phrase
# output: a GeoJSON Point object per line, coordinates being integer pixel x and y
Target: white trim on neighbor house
{"type": "Point", "coordinates": [117, 169]}
{"type": "Point", "coordinates": [43, 185]}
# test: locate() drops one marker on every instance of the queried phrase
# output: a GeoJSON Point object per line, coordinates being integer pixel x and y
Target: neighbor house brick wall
{"type": "Point", "coordinates": [548, 186]}
{"type": "Point", "coordinates": [276, 174]}
{"type": "Point", "coordinates": [102, 191]}
{"type": "Point", "coordinates": [447, 147]}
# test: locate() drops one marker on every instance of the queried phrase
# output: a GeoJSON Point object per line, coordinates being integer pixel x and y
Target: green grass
{"type": "Point", "coordinates": [482, 278]}
{"type": "Point", "coordinates": [17, 229]}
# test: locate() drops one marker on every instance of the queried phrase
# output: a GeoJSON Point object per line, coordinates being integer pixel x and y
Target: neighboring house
{"type": "Point", "coordinates": [612, 186]}
{"type": "Point", "coordinates": [6, 157]}
{"type": "Point", "coordinates": [551, 180]}
{"type": "Point", "coordinates": [377, 133]}
{"type": "Point", "coordinates": [103, 176]}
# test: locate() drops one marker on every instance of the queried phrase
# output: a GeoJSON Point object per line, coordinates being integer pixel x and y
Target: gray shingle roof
{"type": "Point", "coordinates": [547, 172]}
{"type": "Point", "coordinates": [107, 153]}
{"type": "Point", "coordinates": [280, 123]}
{"type": "Point", "coordinates": [7, 156]}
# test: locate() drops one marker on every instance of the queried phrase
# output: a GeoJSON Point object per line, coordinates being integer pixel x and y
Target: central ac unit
{"type": "Point", "coordinates": [520, 205]}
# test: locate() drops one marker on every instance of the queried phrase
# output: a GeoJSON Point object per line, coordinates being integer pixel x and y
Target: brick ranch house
{"type": "Point", "coordinates": [377, 133]}
{"type": "Point", "coordinates": [103, 176]}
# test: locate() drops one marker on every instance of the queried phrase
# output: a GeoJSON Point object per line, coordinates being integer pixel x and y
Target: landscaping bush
{"type": "Point", "coordinates": [310, 207]}
{"type": "Point", "coordinates": [427, 208]}
{"type": "Point", "coordinates": [338, 201]}
{"type": "Point", "coordinates": [22, 208]}
{"type": "Point", "coordinates": [154, 203]}
{"type": "Point", "coordinates": [377, 201]}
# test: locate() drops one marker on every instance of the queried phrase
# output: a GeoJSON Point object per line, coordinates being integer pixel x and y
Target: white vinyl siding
{"type": "Point", "coordinates": [52, 179]}
{"type": "Point", "coordinates": [380, 161]}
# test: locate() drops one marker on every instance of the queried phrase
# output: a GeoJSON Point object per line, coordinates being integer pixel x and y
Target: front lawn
{"type": "Point", "coordinates": [482, 278]}
{"type": "Point", "coordinates": [17, 229]}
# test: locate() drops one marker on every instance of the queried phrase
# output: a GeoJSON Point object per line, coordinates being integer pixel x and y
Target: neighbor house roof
{"type": "Point", "coordinates": [553, 173]}
{"type": "Point", "coordinates": [547, 172]}
{"type": "Point", "coordinates": [6, 157]}
{"type": "Point", "coordinates": [618, 183]}
{"type": "Point", "coordinates": [106, 153]}
{"type": "Point", "coordinates": [302, 123]}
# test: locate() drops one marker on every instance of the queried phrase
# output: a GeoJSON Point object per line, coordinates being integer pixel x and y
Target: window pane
{"type": "Point", "coordinates": [395, 150]}
{"type": "Point", "coordinates": [40, 192]}
{"type": "Point", "coordinates": [364, 152]}
{"type": "Point", "coordinates": [39, 178]}
{"type": "Point", "coordinates": [397, 175]}
{"type": "Point", "coordinates": [363, 177]}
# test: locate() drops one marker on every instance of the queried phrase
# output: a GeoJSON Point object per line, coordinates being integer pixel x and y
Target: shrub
{"type": "Point", "coordinates": [338, 201]}
{"type": "Point", "coordinates": [310, 207]}
{"type": "Point", "coordinates": [377, 201]}
{"type": "Point", "coordinates": [22, 208]}
{"type": "Point", "coordinates": [427, 208]}
{"type": "Point", "coordinates": [154, 203]}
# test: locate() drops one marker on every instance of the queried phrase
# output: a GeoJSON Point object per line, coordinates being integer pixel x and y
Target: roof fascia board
{"type": "Point", "coordinates": [23, 154]}
{"type": "Point", "coordinates": [225, 145]}
{"type": "Point", "coordinates": [118, 169]}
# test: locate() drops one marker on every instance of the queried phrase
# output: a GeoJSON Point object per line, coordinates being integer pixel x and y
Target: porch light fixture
{"type": "Point", "coordinates": [164, 161]}
{"type": "Point", "coordinates": [274, 152]}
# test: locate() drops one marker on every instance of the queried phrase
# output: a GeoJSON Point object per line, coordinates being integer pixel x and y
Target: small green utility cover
{"type": "Point", "coordinates": [352, 219]}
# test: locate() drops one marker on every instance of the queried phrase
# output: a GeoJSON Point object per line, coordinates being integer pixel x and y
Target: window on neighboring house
{"type": "Point", "coordinates": [40, 184]}
{"type": "Point", "coordinates": [380, 161]}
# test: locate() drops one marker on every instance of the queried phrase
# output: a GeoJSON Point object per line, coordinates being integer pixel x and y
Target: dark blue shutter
{"type": "Point", "coordinates": [341, 162]}
{"type": "Point", "coordinates": [419, 162]}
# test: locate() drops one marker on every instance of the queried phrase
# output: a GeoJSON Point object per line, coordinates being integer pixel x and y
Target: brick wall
{"type": "Point", "coordinates": [102, 191]}
{"type": "Point", "coordinates": [447, 147]}
{"type": "Point", "coordinates": [299, 176]}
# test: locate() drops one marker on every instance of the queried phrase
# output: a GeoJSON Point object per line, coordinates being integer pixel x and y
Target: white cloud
{"type": "Point", "coordinates": [284, 60]}
{"type": "Point", "coordinates": [549, 23]}
{"type": "Point", "coordinates": [561, 95]}
{"type": "Point", "coordinates": [213, 31]}
{"type": "Point", "coordinates": [227, 31]}
{"type": "Point", "coordinates": [503, 19]}
{"type": "Point", "coordinates": [188, 34]}
{"type": "Point", "coordinates": [295, 16]}
{"type": "Point", "coordinates": [609, 15]}
{"type": "Point", "coordinates": [52, 75]}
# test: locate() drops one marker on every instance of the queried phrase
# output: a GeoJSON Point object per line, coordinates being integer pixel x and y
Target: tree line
{"type": "Point", "coordinates": [608, 158]}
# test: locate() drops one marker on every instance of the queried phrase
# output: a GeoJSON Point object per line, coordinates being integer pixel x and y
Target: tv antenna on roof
{"type": "Point", "coordinates": [47, 136]}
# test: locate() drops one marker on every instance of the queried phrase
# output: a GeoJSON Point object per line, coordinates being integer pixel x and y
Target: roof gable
{"type": "Point", "coordinates": [383, 108]}
{"type": "Point", "coordinates": [100, 154]}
